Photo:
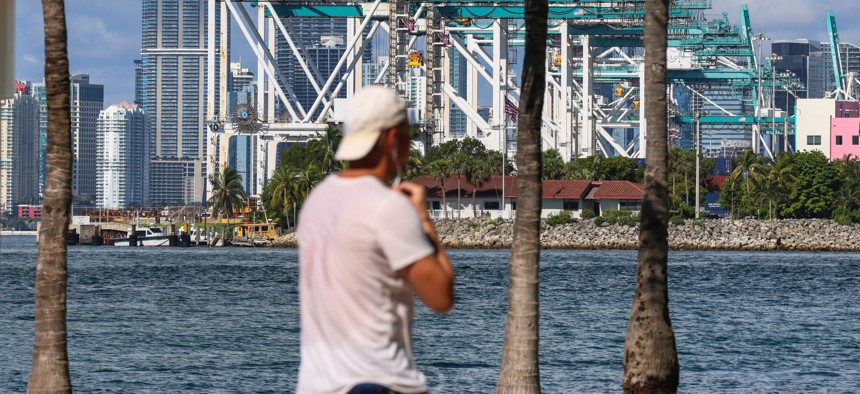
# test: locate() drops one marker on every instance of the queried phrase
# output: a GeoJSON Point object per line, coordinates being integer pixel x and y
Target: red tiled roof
{"type": "Point", "coordinates": [552, 189]}
{"type": "Point", "coordinates": [434, 188]}
{"type": "Point", "coordinates": [565, 189]}
{"type": "Point", "coordinates": [615, 190]}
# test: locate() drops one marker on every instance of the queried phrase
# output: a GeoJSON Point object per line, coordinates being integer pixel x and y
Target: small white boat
{"type": "Point", "coordinates": [151, 236]}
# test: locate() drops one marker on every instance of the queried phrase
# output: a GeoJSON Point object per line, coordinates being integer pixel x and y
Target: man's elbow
{"type": "Point", "coordinates": [442, 305]}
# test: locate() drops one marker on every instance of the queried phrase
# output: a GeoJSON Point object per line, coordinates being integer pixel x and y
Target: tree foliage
{"type": "Point", "coordinates": [228, 195]}
{"type": "Point", "coordinates": [817, 183]}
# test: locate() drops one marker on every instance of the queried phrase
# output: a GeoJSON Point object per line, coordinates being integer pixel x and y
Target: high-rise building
{"type": "Point", "coordinates": [19, 148]}
{"type": "Point", "coordinates": [241, 150]}
{"type": "Point", "coordinates": [850, 55]}
{"type": "Point", "coordinates": [87, 101]}
{"type": "Point", "coordinates": [458, 71]}
{"type": "Point", "coordinates": [173, 86]}
{"type": "Point", "coordinates": [324, 40]}
{"type": "Point", "coordinates": [121, 154]}
{"type": "Point", "coordinates": [804, 59]}
{"type": "Point", "coordinates": [138, 81]}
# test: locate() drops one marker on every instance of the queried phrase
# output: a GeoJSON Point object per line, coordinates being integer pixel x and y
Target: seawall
{"type": "Point", "coordinates": [711, 234]}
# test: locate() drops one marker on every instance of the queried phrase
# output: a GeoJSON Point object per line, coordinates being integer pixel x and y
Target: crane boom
{"type": "Point", "coordinates": [834, 54]}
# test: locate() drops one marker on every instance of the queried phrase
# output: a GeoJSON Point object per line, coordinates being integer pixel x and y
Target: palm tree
{"type": "Point", "coordinates": [282, 188]}
{"type": "Point", "coordinates": [676, 159]}
{"type": "Point", "coordinates": [477, 175]}
{"type": "Point", "coordinates": [50, 369]}
{"type": "Point", "coordinates": [415, 166]}
{"type": "Point", "coordinates": [307, 178]}
{"type": "Point", "coordinates": [459, 165]}
{"type": "Point", "coordinates": [324, 148]}
{"type": "Point", "coordinates": [688, 164]}
{"type": "Point", "coordinates": [520, 372]}
{"type": "Point", "coordinates": [745, 167]}
{"type": "Point", "coordinates": [438, 170]}
{"type": "Point", "coordinates": [849, 193]}
{"type": "Point", "coordinates": [650, 356]}
{"type": "Point", "coordinates": [228, 196]}
{"type": "Point", "coordinates": [780, 181]}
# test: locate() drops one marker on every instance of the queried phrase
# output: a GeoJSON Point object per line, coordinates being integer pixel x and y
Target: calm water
{"type": "Point", "coordinates": [226, 320]}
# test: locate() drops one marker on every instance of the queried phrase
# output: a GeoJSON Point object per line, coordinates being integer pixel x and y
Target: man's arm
{"type": "Point", "coordinates": [432, 277]}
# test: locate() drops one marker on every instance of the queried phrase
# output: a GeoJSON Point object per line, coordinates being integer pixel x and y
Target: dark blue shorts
{"type": "Point", "coordinates": [371, 388]}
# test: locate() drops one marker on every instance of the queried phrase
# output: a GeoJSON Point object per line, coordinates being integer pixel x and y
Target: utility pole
{"type": "Point", "coordinates": [698, 153]}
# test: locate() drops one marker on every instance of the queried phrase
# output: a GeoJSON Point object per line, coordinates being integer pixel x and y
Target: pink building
{"type": "Point", "coordinates": [844, 137]}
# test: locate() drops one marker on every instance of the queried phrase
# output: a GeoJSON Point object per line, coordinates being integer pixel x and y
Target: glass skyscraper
{"type": "Point", "coordinates": [805, 59]}
{"type": "Point", "coordinates": [458, 73]}
{"type": "Point", "coordinates": [87, 101]}
{"type": "Point", "coordinates": [850, 55]}
{"type": "Point", "coordinates": [325, 41]}
{"type": "Point", "coordinates": [173, 94]}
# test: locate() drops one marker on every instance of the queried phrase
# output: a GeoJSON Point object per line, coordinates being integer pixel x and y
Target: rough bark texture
{"type": "Point", "coordinates": [520, 371]}
{"type": "Point", "coordinates": [50, 370]}
{"type": "Point", "coordinates": [650, 357]}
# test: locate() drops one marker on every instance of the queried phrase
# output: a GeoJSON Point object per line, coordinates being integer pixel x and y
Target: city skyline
{"type": "Point", "coordinates": [104, 35]}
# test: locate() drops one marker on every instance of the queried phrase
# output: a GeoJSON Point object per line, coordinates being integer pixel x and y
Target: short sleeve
{"type": "Point", "coordinates": [400, 234]}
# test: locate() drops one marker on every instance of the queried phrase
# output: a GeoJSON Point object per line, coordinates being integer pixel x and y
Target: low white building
{"type": "Point", "coordinates": [497, 197]}
{"type": "Point", "coordinates": [813, 122]}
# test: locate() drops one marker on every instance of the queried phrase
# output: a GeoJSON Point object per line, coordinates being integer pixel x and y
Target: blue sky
{"type": "Point", "coordinates": [104, 35]}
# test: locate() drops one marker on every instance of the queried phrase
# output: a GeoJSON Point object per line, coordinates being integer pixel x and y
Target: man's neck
{"type": "Point", "coordinates": [376, 172]}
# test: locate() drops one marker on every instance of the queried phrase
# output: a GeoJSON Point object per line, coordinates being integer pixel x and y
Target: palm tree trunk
{"type": "Point", "coordinates": [50, 369]}
{"type": "Point", "coordinates": [444, 200]}
{"type": "Point", "coordinates": [650, 357]}
{"type": "Point", "coordinates": [686, 188]}
{"type": "Point", "coordinates": [459, 207]}
{"type": "Point", "coordinates": [520, 372]}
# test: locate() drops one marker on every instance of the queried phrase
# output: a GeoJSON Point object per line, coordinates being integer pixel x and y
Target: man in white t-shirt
{"type": "Point", "coordinates": [364, 249]}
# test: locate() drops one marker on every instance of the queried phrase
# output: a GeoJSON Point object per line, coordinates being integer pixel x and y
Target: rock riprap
{"type": "Point", "coordinates": [709, 234]}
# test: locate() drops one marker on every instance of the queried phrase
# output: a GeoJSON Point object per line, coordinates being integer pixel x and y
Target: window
{"type": "Point", "coordinates": [491, 205]}
{"type": "Point", "coordinates": [435, 205]}
{"type": "Point", "coordinates": [855, 140]}
{"type": "Point", "coordinates": [570, 205]}
{"type": "Point", "coordinates": [632, 205]}
{"type": "Point", "coordinates": [838, 140]}
{"type": "Point", "coordinates": [813, 140]}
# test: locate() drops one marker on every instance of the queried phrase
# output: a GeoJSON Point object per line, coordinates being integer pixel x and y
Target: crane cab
{"type": "Point", "coordinates": [416, 59]}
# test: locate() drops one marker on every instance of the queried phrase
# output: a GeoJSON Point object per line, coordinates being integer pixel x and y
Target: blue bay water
{"type": "Point", "coordinates": [156, 320]}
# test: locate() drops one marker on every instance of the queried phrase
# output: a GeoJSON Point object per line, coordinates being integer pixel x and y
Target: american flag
{"type": "Point", "coordinates": [511, 110]}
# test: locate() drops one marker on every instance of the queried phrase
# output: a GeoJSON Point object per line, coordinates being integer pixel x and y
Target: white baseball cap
{"type": "Point", "coordinates": [370, 112]}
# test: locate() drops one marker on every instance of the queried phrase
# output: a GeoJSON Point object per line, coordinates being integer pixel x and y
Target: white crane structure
{"type": "Point", "coordinates": [593, 44]}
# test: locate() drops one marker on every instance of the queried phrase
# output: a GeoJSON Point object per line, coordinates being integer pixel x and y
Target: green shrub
{"type": "Point", "coordinates": [588, 214]}
{"type": "Point", "coordinates": [562, 217]}
{"type": "Point", "coordinates": [676, 219]}
{"type": "Point", "coordinates": [614, 216]}
{"type": "Point", "coordinates": [599, 220]}
{"type": "Point", "coordinates": [684, 211]}
{"type": "Point", "coordinates": [846, 216]}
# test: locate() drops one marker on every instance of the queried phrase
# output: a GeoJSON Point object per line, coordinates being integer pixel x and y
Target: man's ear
{"type": "Point", "coordinates": [391, 138]}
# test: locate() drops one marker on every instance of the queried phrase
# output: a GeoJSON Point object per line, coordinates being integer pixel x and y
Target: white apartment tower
{"type": "Point", "coordinates": [19, 149]}
{"type": "Point", "coordinates": [121, 156]}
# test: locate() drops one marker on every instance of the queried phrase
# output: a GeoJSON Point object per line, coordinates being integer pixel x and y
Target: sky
{"type": "Point", "coordinates": [104, 35]}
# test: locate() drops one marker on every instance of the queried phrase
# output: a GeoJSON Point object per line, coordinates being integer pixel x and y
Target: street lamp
{"type": "Point", "coordinates": [759, 97]}
{"type": "Point", "coordinates": [787, 74]}
{"type": "Point", "coordinates": [773, 59]}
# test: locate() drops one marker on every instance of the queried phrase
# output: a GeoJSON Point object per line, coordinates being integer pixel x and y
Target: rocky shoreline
{"type": "Point", "coordinates": [710, 234]}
